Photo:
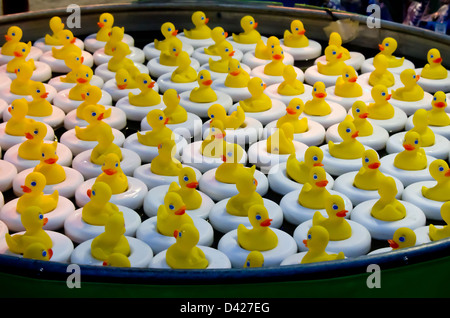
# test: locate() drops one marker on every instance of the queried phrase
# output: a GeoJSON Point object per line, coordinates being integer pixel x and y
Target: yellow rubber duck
{"type": "Point", "coordinates": [214, 144]}
{"type": "Point", "coordinates": [317, 106]}
{"type": "Point", "coordinates": [169, 56]}
{"type": "Point", "coordinates": [381, 108]}
{"type": "Point", "coordinates": [20, 56]}
{"type": "Point", "coordinates": [360, 113]}
{"type": "Point", "coordinates": [187, 188]}
{"type": "Point", "coordinates": [299, 171]}
{"type": "Point", "coordinates": [56, 26]}
{"type": "Point", "coordinates": [33, 194]}
{"type": "Point", "coordinates": [35, 133]}
{"type": "Point", "coordinates": [218, 35]}
{"type": "Point", "coordinates": [388, 208]}
{"type": "Point", "coordinates": [420, 122]}
{"type": "Point", "coordinates": [237, 77]}
{"type": "Point", "coordinates": [314, 192]}
{"type": "Point", "coordinates": [444, 232]}
{"type": "Point", "coordinates": [172, 214]}
{"type": "Point", "coordinates": [105, 145]}
{"type": "Point", "coordinates": [111, 241]}
{"type": "Point", "coordinates": [276, 66]}
{"type": "Point", "coordinates": [240, 204]}
{"type": "Point", "coordinates": [17, 124]}
{"type": "Point", "coordinates": [105, 23]}
{"type": "Point", "coordinates": [369, 176]}
{"type": "Point", "coordinates": [290, 86]}
{"type": "Point", "coordinates": [173, 111]}
{"type": "Point", "coordinates": [440, 172]}
{"type": "Point", "coordinates": [337, 226]}
{"type": "Point", "coordinates": [39, 106]}
{"type": "Point", "coordinates": [254, 259]}
{"type": "Point", "coordinates": [335, 64]}
{"type": "Point", "coordinates": [387, 48]}
{"type": "Point", "coordinates": [296, 36]}
{"type": "Point", "coordinates": [350, 147]}
{"type": "Point", "coordinates": [233, 121]}
{"type": "Point", "coordinates": [316, 242]}
{"type": "Point", "coordinates": [38, 251]}
{"type": "Point", "coordinates": [91, 95]}
{"type": "Point", "coordinates": [260, 237]}
{"type": "Point", "coordinates": [147, 96]}
{"type": "Point", "coordinates": [381, 75]}
{"type": "Point", "coordinates": [115, 36]}
{"type": "Point", "coordinates": [293, 110]}
{"type": "Point", "coordinates": [259, 101]}
{"type": "Point", "coordinates": [83, 78]}
{"type": "Point", "coordinates": [250, 34]}
{"type": "Point", "coordinates": [264, 51]}
{"type": "Point", "coordinates": [53, 172]}
{"type": "Point", "coordinates": [117, 260]}
{"type": "Point", "coordinates": [158, 121]}
{"type": "Point", "coordinates": [12, 37]}
{"type": "Point", "coordinates": [336, 39]}
{"type": "Point", "coordinates": [184, 254]}
{"type": "Point", "coordinates": [164, 163]}
{"type": "Point", "coordinates": [413, 157]}
{"type": "Point", "coordinates": [184, 73]}
{"type": "Point", "coordinates": [33, 220]}
{"type": "Point", "coordinates": [120, 60]}
{"type": "Point", "coordinates": [94, 116]}
{"type": "Point", "coordinates": [113, 175]}
{"type": "Point", "coordinates": [226, 53]}
{"type": "Point", "coordinates": [201, 30]}
{"type": "Point", "coordinates": [68, 45]}
{"type": "Point", "coordinates": [124, 80]}
{"type": "Point", "coordinates": [411, 91]}
{"type": "Point", "coordinates": [73, 61]}
{"type": "Point", "coordinates": [21, 85]}
{"type": "Point", "coordinates": [346, 85]}
{"type": "Point", "coordinates": [434, 68]}
{"type": "Point", "coordinates": [403, 237]}
{"type": "Point", "coordinates": [203, 93]}
{"type": "Point", "coordinates": [230, 167]}
{"type": "Point", "coordinates": [169, 32]}
{"type": "Point", "coordinates": [98, 210]}
{"type": "Point", "coordinates": [437, 116]}
{"type": "Point", "coordinates": [282, 140]}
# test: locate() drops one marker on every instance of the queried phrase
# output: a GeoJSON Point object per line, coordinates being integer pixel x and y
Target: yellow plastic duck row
{"type": "Point", "coordinates": [98, 210]}
{"type": "Point", "coordinates": [317, 106]}
{"type": "Point", "coordinates": [434, 69]}
{"type": "Point", "coordinates": [113, 175]}
{"type": "Point", "coordinates": [259, 101]}
{"type": "Point", "coordinates": [413, 157]}
{"type": "Point", "coordinates": [316, 242]}
{"type": "Point", "coordinates": [34, 195]}
{"type": "Point", "coordinates": [158, 121]}
{"type": "Point", "coordinates": [295, 37]}
{"type": "Point", "coordinates": [201, 30]}
{"type": "Point", "coordinates": [314, 193]}
{"type": "Point", "coordinates": [250, 35]}
{"type": "Point", "coordinates": [350, 147]}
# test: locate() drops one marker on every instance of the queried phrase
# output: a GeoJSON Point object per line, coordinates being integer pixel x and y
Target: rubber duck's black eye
{"type": "Point", "coordinates": [258, 217]}
{"type": "Point", "coordinates": [41, 216]}
{"type": "Point", "coordinates": [179, 234]}
{"type": "Point", "coordinates": [334, 52]}
{"type": "Point", "coordinates": [145, 81]}
{"type": "Point", "coordinates": [124, 80]}
{"type": "Point", "coordinates": [387, 44]}
{"type": "Point", "coordinates": [171, 206]}
{"type": "Point", "coordinates": [93, 193]}
{"type": "Point", "coordinates": [416, 141]}
{"type": "Point", "coordinates": [36, 132]}
{"type": "Point", "coordinates": [348, 130]}
{"type": "Point", "coordinates": [335, 207]}
{"type": "Point", "coordinates": [43, 155]}
{"type": "Point", "coordinates": [431, 56]}
{"type": "Point", "coordinates": [309, 236]}
{"type": "Point", "coordinates": [94, 114]}
{"type": "Point", "coordinates": [212, 116]}
{"type": "Point", "coordinates": [366, 159]}
{"type": "Point", "coordinates": [441, 168]}
{"type": "Point", "coordinates": [401, 238]}
{"type": "Point", "coordinates": [248, 264]}
{"type": "Point", "coordinates": [169, 29]}
{"type": "Point", "coordinates": [117, 164]}
{"type": "Point", "coordinates": [33, 183]}
{"type": "Point", "coordinates": [315, 177]}
{"type": "Point", "coordinates": [13, 34]}
{"type": "Point", "coordinates": [161, 117]}
{"type": "Point", "coordinates": [38, 91]}
{"type": "Point", "coordinates": [383, 94]}
{"type": "Point", "coordinates": [44, 253]}
{"type": "Point", "coordinates": [315, 158]}
{"type": "Point", "coordinates": [185, 178]}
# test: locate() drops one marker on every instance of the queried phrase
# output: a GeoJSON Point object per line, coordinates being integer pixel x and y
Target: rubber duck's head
{"type": "Point", "coordinates": [248, 23]}
{"type": "Point", "coordinates": [91, 94]}
{"type": "Point", "coordinates": [73, 59]}
{"type": "Point", "coordinates": [93, 113]}
{"type": "Point", "coordinates": [332, 53]}
{"type": "Point", "coordinates": [117, 33]}
{"type": "Point", "coordinates": [216, 111]}
{"type": "Point", "coordinates": [388, 46]}
{"type": "Point", "coordinates": [115, 226]}
{"type": "Point", "coordinates": [277, 53]}
{"type": "Point", "coordinates": [259, 216]}
{"type": "Point", "coordinates": [412, 141]}
{"type": "Point", "coordinates": [24, 71]}
{"type": "Point", "coordinates": [335, 39]}
{"type": "Point", "coordinates": [38, 251]}
{"type": "Point", "coordinates": [56, 24]}
{"type": "Point", "coordinates": [256, 86]}
{"type": "Point", "coordinates": [18, 108]}
{"type": "Point", "coordinates": [48, 152]}
{"type": "Point", "coordinates": [34, 183]}
{"type": "Point", "coordinates": [106, 20]}
{"type": "Point", "coordinates": [380, 62]}
{"type": "Point", "coordinates": [99, 192]}
{"type": "Point", "coordinates": [234, 67]}
{"type": "Point", "coordinates": [157, 119]}
{"type": "Point", "coordinates": [289, 73]}
{"type": "Point", "coordinates": [144, 81]}
{"type": "Point", "coordinates": [409, 77]}
{"type": "Point", "coordinates": [171, 98]}
{"type": "Point", "coordinates": [168, 30]}
{"type": "Point", "coordinates": [225, 50]}
{"type": "Point", "coordinates": [359, 110]}
{"type": "Point", "coordinates": [14, 34]}
{"type": "Point", "coordinates": [295, 107]}
{"type": "Point", "coordinates": [22, 49]}
{"type": "Point", "coordinates": [199, 18]}
{"type": "Point", "coordinates": [297, 27]}
{"type": "Point", "coordinates": [317, 238]}
{"type": "Point", "coordinates": [175, 48]}
{"type": "Point", "coordinates": [403, 237]}
{"type": "Point", "coordinates": [174, 203]}
{"type": "Point", "coordinates": [204, 78]}
{"type": "Point", "coordinates": [246, 182]}
{"type": "Point", "coordinates": [439, 100]}
{"type": "Point", "coordinates": [254, 259]}
{"type": "Point", "coordinates": [439, 170]}
{"type": "Point", "coordinates": [380, 94]}
{"type": "Point", "coordinates": [335, 206]}
{"type": "Point", "coordinates": [319, 90]}
{"type": "Point", "coordinates": [434, 57]}
{"type": "Point", "coordinates": [122, 78]}
{"type": "Point", "coordinates": [67, 37]}
{"type": "Point", "coordinates": [218, 34]}
{"type": "Point", "coordinates": [121, 49]}
{"type": "Point", "coordinates": [84, 74]}
{"type": "Point", "coordinates": [232, 154]}
{"type": "Point", "coordinates": [111, 165]}
{"type": "Point", "coordinates": [318, 177]}
{"type": "Point", "coordinates": [216, 129]}
{"type": "Point", "coordinates": [38, 90]}
{"type": "Point", "coordinates": [420, 118]}
{"type": "Point", "coordinates": [187, 178]}
{"type": "Point", "coordinates": [370, 159]}
{"type": "Point", "coordinates": [314, 156]}
{"type": "Point", "coordinates": [387, 188]}
{"type": "Point", "coordinates": [183, 59]}
{"type": "Point", "coordinates": [187, 235]}
{"type": "Point", "coordinates": [36, 131]}
{"type": "Point", "coordinates": [347, 129]}
{"type": "Point", "coordinates": [117, 260]}
{"type": "Point", "coordinates": [349, 74]}
{"type": "Point", "coordinates": [272, 41]}
{"type": "Point", "coordinates": [33, 218]}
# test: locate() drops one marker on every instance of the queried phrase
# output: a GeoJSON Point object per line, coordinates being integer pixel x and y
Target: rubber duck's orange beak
{"type": "Point", "coordinates": [231, 53]}
{"type": "Point", "coordinates": [417, 77]}
{"type": "Point", "coordinates": [290, 111]}
{"type": "Point", "coordinates": [50, 253]}
{"type": "Point", "coordinates": [264, 85]}
{"type": "Point", "coordinates": [82, 59]}
{"type": "Point", "coordinates": [440, 104]}
{"type": "Point", "coordinates": [207, 82]}
{"type": "Point", "coordinates": [355, 134]}
{"type": "Point", "coordinates": [18, 54]}
{"type": "Point", "coordinates": [25, 189]}
{"type": "Point", "coordinates": [363, 115]}
{"type": "Point", "coordinates": [101, 116]}
{"type": "Point", "coordinates": [318, 164]}
{"type": "Point", "coordinates": [388, 97]}
{"type": "Point", "coordinates": [122, 86]}
{"type": "Point", "coordinates": [374, 165]}
{"type": "Point", "coordinates": [225, 35]}
{"type": "Point", "coordinates": [174, 33]}
{"type": "Point", "coordinates": [255, 25]}
{"type": "Point", "coordinates": [73, 40]}
{"type": "Point", "coordinates": [83, 96]}
{"type": "Point", "coordinates": [45, 95]}
{"type": "Point", "coordinates": [206, 20]}
{"type": "Point", "coordinates": [8, 37]}
{"type": "Point", "coordinates": [322, 183]}
{"type": "Point", "coordinates": [44, 221]}
{"type": "Point", "coordinates": [9, 109]}
{"type": "Point", "coordinates": [266, 222]}
{"type": "Point", "coordinates": [301, 32]}
{"type": "Point", "coordinates": [192, 185]}
{"type": "Point", "coordinates": [176, 54]}
{"type": "Point", "coordinates": [110, 172]}
{"type": "Point", "coordinates": [100, 24]}
{"type": "Point", "coordinates": [353, 79]}
{"type": "Point", "coordinates": [224, 159]}
{"type": "Point", "coordinates": [180, 211]}
{"type": "Point", "coordinates": [28, 136]}
{"type": "Point", "coordinates": [447, 173]}
{"type": "Point", "coordinates": [320, 95]}
{"type": "Point", "coordinates": [51, 161]}
{"type": "Point", "coordinates": [175, 233]}
{"type": "Point", "coordinates": [393, 244]}
{"type": "Point", "coordinates": [305, 242]}
{"type": "Point", "coordinates": [235, 73]}
{"type": "Point", "coordinates": [408, 147]}
{"type": "Point", "coordinates": [342, 213]}
{"type": "Point", "coordinates": [277, 57]}
{"type": "Point", "coordinates": [151, 85]}
{"type": "Point", "coordinates": [166, 120]}
{"type": "Point", "coordinates": [438, 60]}
{"type": "Point", "coordinates": [381, 47]}
{"type": "Point", "coordinates": [81, 80]}
{"type": "Point", "coordinates": [89, 193]}
{"type": "Point", "coordinates": [255, 182]}
{"type": "Point", "coordinates": [339, 55]}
